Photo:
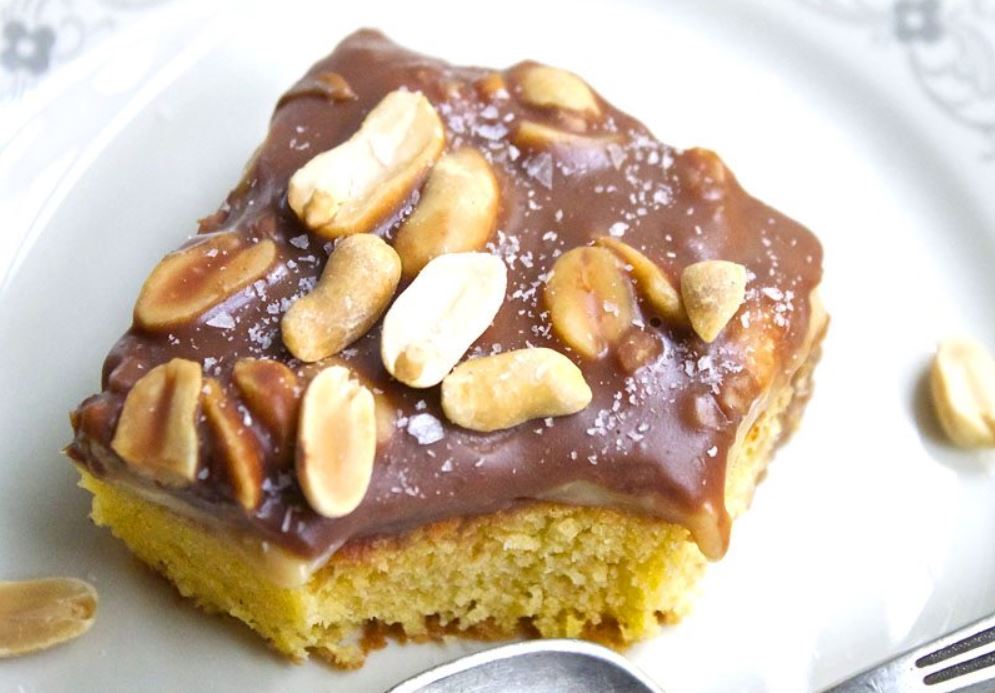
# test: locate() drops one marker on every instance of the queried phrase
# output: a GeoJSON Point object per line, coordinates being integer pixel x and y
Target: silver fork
{"type": "Point", "coordinates": [962, 661]}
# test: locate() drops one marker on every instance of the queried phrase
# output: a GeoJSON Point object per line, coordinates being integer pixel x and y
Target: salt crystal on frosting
{"type": "Point", "coordinates": [618, 229]}
{"type": "Point", "coordinates": [540, 168]}
{"type": "Point", "coordinates": [616, 154]}
{"type": "Point", "coordinates": [492, 132]}
{"type": "Point", "coordinates": [425, 428]}
{"type": "Point", "coordinates": [222, 321]}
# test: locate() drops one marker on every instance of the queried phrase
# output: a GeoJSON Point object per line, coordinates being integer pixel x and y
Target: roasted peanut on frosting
{"type": "Point", "coordinates": [456, 213]}
{"type": "Point", "coordinates": [550, 87]}
{"type": "Point", "coordinates": [157, 431]}
{"type": "Point", "coordinates": [386, 412]}
{"type": "Point", "coordinates": [501, 391]}
{"type": "Point", "coordinates": [38, 614]}
{"type": "Point", "coordinates": [436, 319]}
{"type": "Point", "coordinates": [574, 108]}
{"type": "Point", "coordinates": [348, 189]}
{"type": "Point", "coordinates": [386, 418]}
{"type": "Point", "coordinates": [492, 86]}
{"type": "Point", "coordinates": [962, 380]}
{"type": "Point", "coordinates": [188, 282]}
{"type": "Point", "coordinates": [336, 442]}
{"type": "Point", "coordinates": [712, 291]}
{"type": "Point", "coordinates": [357, 284]}
{"type": "Point", "coordinates": [590, 301]}
{"type": "Point", "coordinates": [652, 283]}
{"type": "Point", "coordinates": [238, 447]}
{"type": "Point", "coordinates": [272, 393]}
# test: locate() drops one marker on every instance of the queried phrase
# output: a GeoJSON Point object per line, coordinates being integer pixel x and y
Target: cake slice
{"type": "Point", "coordinates": [465, 351]}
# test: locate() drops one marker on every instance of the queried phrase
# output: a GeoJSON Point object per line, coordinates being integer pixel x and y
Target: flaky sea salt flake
{"type": "Point", "coordinates": [540, 169]}
{"type": "Point", "coordinates": [616, 154]}
{"type": "Point", "coordinates": [222, 321]}
{"type": "Point", "coordinates": [618, 229]}
{"type": "Point", "coordinates": [425, 428]}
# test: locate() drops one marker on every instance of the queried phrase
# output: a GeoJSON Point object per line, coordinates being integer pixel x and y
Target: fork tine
{"type": "Point", "coordinates": [964, 673]}
{"type": "Point", "coordinates": [962, 658]}
{"type": "Point", "coordinates": [971, 642]}
{"type": "Point", "coordinates": [962, 661]}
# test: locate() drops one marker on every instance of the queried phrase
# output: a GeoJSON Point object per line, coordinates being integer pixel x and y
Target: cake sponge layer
{"type": "Point", "coordinates": [558, 570]}
{"type": "Point", "coordinates": [568, 571]}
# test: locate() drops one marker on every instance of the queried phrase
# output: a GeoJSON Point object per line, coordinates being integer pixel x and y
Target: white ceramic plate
{"type": "Point", "coordinates": [867, 536]}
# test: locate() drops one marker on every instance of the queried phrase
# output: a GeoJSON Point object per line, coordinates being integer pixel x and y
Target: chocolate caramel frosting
{"type": "Point", "coordinates": [658, 433]}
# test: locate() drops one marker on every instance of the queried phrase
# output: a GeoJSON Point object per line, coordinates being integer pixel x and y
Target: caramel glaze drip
{"type": "Point", "coordinates": [656, 439]}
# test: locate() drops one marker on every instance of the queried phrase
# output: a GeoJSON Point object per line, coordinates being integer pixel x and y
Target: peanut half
{"type": "Point", "coordinates": [38, 614]}
{"type": "Point", "coordinates": [272, 393]}
{"type": "Point", "coordinates": [457, 211]}
{"type": "Point", "coordinates": [440, 315]}
{"type": "Point", "coordinates": [550, 87]}
{"type": "Point", "coordinates": [237, 444]}
{"type": "Point", "coordinates": [501, 391]}
{"type": "Point", "coordinates": [188, 282]}
{"type": "Point", "coordinates": [357, 284]}
{"type": "Point", "coordinates": [962, 381]}
{"type": "Point", "coordinates": [157, 432]}
{"type": "Point", "coordinates": [590, 301]}
{"type": "Point", "coordinates": [713, 290]}
{"type": "Point", "coordinates": [349, 188]}
{"type": "Point", "coordinates": [386, 412]}
{"type": "Point", "coordinates": [336, 442]}
{"type": "Point", "coordinates": [653, 284]}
